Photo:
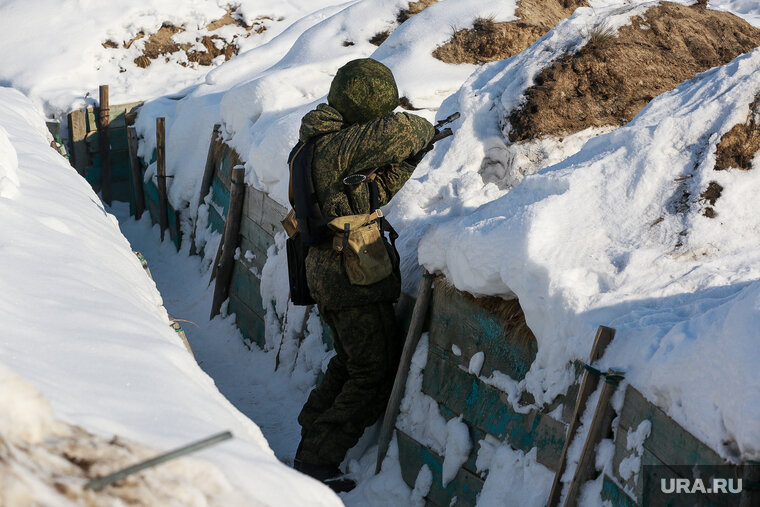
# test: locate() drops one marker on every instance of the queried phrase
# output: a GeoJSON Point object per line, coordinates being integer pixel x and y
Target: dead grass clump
{"type": "Point", "coordinates": [610, 80]}
{"type": "Point", "coordinates": [403, 15]}
{"type": "Point", "coordinates": [161, 44]}
{"type": "Point", "coordinates": [507, 311]}
{"type": "Point", "coordinates": [739, 145]}
{"type": "Point", "coordinates": [414, 8]}
{"type": "Point", "coordinates": [711, 195]}
{"type": "Point", "coordinates": [488, 41]}
{"type": "Point", "coordinates": [405, 103]}
{"type": "Point", "coordinates": [380, 37]}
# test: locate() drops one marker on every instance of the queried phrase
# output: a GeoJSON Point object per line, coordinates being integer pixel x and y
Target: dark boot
{"type": "Point", "coordinates": [330, 475]}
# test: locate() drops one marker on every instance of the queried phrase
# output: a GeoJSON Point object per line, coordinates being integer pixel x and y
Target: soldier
{"type": "Point", "coordinates": [355, 131]}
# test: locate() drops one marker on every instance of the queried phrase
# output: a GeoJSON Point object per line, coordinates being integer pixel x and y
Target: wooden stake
{"type": "Point", "coordinates": [105, 145]}
{"type": "Point", "coordinates": [136, 173]}
{"type": "Point", "coordinates": [208, 171]}
{"type": "Point", "coordinates": [604, 336]}
{"type": "Point", "coordinates": [225, 260]}
{"type": "Point", "coordinates": [208, 178]}
{"type": "Point", "coordinates": [601, 425]}
{"type": "Point", "coordinates": [399, 384]}
{"type": "Point", "coordinates": [163, 203]}
{"type": "Point", "coordinates": [78, 145]}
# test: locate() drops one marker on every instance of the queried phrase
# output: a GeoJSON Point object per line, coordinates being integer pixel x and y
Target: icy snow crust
{"type": "Point", "coordinates": [603, 238]}
{"type": "Point", "coordinates": [84, 324]}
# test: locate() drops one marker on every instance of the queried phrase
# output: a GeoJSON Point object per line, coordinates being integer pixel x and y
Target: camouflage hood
{"type": "Point", "coordinates": [323, 120]}
{"type": "Point", "coordinates": [363, 90]}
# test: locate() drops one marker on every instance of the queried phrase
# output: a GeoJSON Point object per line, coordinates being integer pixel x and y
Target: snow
{"type": "Point", "coordinates": [66, 75]}
{"type": "Point", "coordinates": [86, 327]}
{"type": "Point", "coordinates": [476, 363]}
{"type": "Point", "coordinates": [515, 478]}
{"type": "Point", "coordinates": [565, 225]}
{"type": "Point", "coordinates": [457, 449]}
{"type": "Point", "coordinates": [419, 414]}
{"type": "Point", "coordinates": [578, 244]}
{"type": "Point", "coordinates": [422, 486]}
{"type": "Point", "coordinates": [630, 465]}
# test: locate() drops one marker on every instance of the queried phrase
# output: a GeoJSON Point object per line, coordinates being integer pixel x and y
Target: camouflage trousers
{"type": "Point", "coordinates": [357, 385]}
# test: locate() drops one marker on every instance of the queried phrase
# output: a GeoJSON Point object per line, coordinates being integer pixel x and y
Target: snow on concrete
{"type": "Point", "coordinates": [616, 235]}
{"type": "Point", "coordinates": [84, 324]}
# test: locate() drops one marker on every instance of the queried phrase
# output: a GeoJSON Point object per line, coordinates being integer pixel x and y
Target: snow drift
{"type": "Point", "coordinates": [85, 325]}
{"type": "Point", "coordinates": [617, 235]}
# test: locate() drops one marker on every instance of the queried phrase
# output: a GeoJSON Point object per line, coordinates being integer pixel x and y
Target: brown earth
{"type": "Point", "coordinates": [488, 41]}
{"type": "Point", "coordinates": [612, 78]}
{"type": "Point", "coordinates": [508, 311]}
{"type": "Point", "coordinates": [160, 43]}
{"type": "Point", "coordinates": [64, 462]}
{"type": "Point", "coordinates": [739, 145]}
{"type": "Point", "coordinates": [403, 15]}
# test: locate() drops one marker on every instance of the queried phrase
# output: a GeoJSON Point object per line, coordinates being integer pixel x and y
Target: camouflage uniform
{"type": "Point", "coordinates": [360, 377]}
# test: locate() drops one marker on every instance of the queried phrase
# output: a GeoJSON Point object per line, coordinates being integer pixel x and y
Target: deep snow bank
{"type": "Point", "coordinates": [86, 327]}
{"type": "Point", "coordinates": [618, 235]}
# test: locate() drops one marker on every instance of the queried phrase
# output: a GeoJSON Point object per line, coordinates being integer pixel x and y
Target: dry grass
{"type": "Point", "coordinates": [507, 311]}
{"type": "Point", "coordinates": [160, 44]}
{"type": "Point", "coordinates": [739, 145]}
{"type": "Point", "coordinates": [611, 79]}
{"type": "Point", "coordinates": [404, 14]}
{"type": "Point", "coordinates": [488, 41]}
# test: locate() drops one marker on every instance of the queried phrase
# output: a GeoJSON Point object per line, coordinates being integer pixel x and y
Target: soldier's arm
{"type": "Point", "coordinates": [388, 142]}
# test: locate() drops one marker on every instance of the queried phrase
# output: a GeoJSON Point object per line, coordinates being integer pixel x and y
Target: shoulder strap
{"type": "Point", "coordinates": [312, 226]}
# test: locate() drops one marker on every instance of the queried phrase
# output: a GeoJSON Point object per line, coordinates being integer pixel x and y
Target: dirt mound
{"type": "Point", "coordinates": [739, 145]}
{"type": "Point", "coordinates": [403, 15]}
{"type": "Point", "coordinates": [161, 43]}
{"type": "Point", "coordinates": [488, 41]}
{"type": "Point", "coordinates": [612, 78]}
{"type": "Point", "coordinates": [57, 469]}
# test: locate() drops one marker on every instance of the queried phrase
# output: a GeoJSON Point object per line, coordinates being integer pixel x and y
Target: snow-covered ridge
{"type": "Point", "coordinates": [616, 235]}
{"type": "Point", "coordinates": [84, 324]}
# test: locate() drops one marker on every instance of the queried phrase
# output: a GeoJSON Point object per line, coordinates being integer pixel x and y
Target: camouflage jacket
{"type": "Point", "coordinates": [345, 149]}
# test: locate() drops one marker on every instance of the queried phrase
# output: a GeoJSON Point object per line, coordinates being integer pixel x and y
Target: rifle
{"type": "Point", "coordinates": [362, 176]}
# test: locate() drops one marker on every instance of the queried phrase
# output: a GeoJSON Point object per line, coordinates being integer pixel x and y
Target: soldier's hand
{"type": "Point", "coordinates": [417, 157]}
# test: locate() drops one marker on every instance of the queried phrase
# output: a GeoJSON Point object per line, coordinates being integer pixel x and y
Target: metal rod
{"type": "Point", "coordinates": [102, 482]}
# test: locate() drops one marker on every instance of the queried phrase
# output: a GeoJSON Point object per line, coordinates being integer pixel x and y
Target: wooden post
{"type": "Point", "coordinates": [136, 174]}
{"type": "Point", "coordinates": [604, 336]}
{"type": "Point", "coordinates": [208, 177]}
{"type": "Point", "coordinates": [78, 145]}
{"type": "Point", "coordinates": [601, 424]}
{"type": "Point", "coordinates": [105, 145]}
{"type": "Point", "coordinates": [225, 260]}
{"type": "Point", "coordinates": [208, 171]}
{"type": "Point", "coordinates": [399, 384]}
{"type": "Point", "coordinates": [163, 203]}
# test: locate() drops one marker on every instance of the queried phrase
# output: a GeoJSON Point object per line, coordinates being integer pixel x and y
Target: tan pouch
{"type": "Point", "coordinates": [290, 224]}
{"type": "Point", "coordinates": [358, 239]}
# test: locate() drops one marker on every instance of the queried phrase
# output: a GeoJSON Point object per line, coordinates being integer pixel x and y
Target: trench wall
{"type": "Point", "coordinates": [459, 327]}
